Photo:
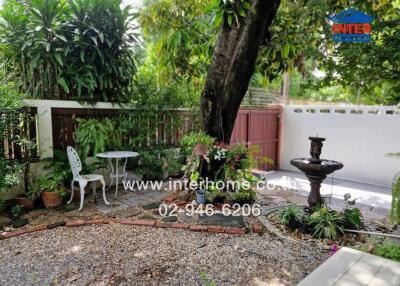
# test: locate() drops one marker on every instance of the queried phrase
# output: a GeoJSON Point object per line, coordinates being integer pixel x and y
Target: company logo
{"type": "Point", "coordinates": [351, 26]}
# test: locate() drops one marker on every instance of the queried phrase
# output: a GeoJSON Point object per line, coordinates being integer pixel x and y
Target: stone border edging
{"type": "Point", "coordinates": [256, 227]}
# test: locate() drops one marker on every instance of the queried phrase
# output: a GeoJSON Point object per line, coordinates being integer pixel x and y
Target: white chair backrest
{"type": "Point", "coordinates": [74, 162]}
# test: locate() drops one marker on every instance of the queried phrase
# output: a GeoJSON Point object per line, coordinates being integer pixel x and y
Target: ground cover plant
{"type": "Point", "coordinates": [322, 222]}
{"type": "Point", "coordinates": [381, 246]}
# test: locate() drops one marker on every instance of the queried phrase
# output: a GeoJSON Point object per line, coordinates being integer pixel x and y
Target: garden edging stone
{"type": "Point", "coordinates": [136, 222]}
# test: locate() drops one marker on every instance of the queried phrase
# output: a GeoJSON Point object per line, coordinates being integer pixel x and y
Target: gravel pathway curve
{"type": "Point", "coordinates": [133, 255]}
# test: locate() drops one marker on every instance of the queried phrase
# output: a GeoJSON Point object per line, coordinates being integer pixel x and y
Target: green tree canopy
{"type": "Point", "coordinates": [370, 71]}
{"type": "Point", "coordinates": [182, 35]}
{"type": "Point", "coordinates": [178, 39]}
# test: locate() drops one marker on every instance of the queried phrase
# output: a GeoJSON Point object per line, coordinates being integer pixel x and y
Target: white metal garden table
{"type": "Point", "coordinates": [114, 173]}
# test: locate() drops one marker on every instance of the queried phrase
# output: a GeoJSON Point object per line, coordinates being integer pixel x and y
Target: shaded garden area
{"type": "Point", "coordinates": [137, 143]}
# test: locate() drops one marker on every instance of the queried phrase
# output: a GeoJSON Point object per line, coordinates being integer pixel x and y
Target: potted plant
{"type": "Point", "coordinates": [28, 200]}
{"type": "Point", "coordinates": [25, 201]}
{"type": "Point", "coordinates": [200, 193]}
{"type": "Point", "coordinates": [51, 190]}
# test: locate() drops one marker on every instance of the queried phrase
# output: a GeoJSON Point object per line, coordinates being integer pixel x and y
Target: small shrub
{"type": "Point", "coordinates": [243, 197]}
{"type": "Point", "coordinates": [189, 141]}
{"type": "Point", "coordinates": [59, 166]}
{"type": "Point", "coordinates": [291, 215]}
{"type": "Point", "coordinates": [155, 164]}
{"type": "Point", "coordinates": [205, 280]}
{"type": "Point", "coordinates": [352, 218]}
{"type": "Point", "coordinates": [239, 158]}
{"type": "Point", "coordinates": [16, 211]}
{"type": "Point", "coordinates": [388, 250]}
{"type": "Point", "coordinates": [326, 224]}
{"type": "Point", "coordinates": [216, 196]}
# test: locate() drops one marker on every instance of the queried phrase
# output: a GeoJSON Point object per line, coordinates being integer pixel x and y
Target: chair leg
{"type": "Point", "coordinates": [82, 185]}
{"type": "Point", "coordinates": [94, 191]}
{"type": "Point", "coordinates": [72, 192]}
{"type": "Point", "coordinates": [104, 191]}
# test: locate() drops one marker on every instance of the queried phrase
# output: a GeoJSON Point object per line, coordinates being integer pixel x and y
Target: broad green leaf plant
{"type": "Point", "coordinates": [94, 136]}
{"type": "Point", "coordinates": [77, 49]}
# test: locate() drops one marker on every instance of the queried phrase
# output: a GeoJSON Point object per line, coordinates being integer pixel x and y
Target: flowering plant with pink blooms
{"type": "Point", "coordinates": [334, 249]}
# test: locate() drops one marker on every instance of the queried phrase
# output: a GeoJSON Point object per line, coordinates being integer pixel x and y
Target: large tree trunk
{"type": "Point", "coordinates": [232, 66]}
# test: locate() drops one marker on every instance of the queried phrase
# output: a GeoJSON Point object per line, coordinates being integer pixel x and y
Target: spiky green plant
{"type": "Point", "coordinates": [291, 214]}
{"type": "Point", "coordinates": [395, 208]}
{"type": "Point", "coordinates": [77, 49]}
{"type": "Point", "coordinates": [327, 224]}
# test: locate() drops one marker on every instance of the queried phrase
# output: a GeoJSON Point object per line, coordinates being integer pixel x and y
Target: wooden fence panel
{"type": "Point", "coordinates": [161, 128]}
{"type": "Point", "coordinates": [253, 126]}
{"type": "Point", "coordinates": [260, 127]}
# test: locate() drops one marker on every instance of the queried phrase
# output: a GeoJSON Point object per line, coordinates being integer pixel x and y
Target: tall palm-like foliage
{"type": "Point", "coordinates": [77, 49]}
{"type": "Point", "coordinates": [395, 209]}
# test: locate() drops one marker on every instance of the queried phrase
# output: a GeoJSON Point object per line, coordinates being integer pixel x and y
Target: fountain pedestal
{"type": "Point", "coordinates": [314, 198]}
{"type": "Point", "coordinates": [316, 170]}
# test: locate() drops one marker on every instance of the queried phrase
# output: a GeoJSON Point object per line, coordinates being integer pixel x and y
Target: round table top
{"type": "Point", "coordinates": [117, 154]}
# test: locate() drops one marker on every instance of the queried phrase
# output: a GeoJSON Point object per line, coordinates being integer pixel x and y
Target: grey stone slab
{"type": "Point", "coordinates": [219, 219]}
{"type": "Point", "coordinates": [329, 272]}
{"type": "Point", "coordinates": [152, 206]}
{"type": "Point", "coordinates": [361, 272]}
{"type": "Point", "coordinates": [147, 217]}
{"type": "Point", "coordinates": [18, 222]}
{"type": "Point", "coordinates": [388, 274]}
{"type": "Point", "coordinates": [355, 268]}
{"type": "Point", "coordinates": [169, 219]}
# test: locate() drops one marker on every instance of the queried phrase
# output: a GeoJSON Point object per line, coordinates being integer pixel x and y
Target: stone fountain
{"type": "Point", "coordinates": [316, 169]}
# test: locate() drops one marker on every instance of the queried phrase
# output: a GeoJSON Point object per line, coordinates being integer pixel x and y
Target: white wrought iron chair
{"type": "Point", "coordinates": [83, 180]}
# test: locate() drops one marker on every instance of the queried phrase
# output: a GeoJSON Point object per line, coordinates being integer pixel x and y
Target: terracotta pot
{"type": "Point", "coordinates": [25, 202]}
{"type": "Point", "coordinates": [77, 194]}
{"type": "Point", "coordinates": [51, 199]}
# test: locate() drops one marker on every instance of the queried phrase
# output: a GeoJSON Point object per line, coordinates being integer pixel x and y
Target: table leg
{"type": "Point", "coordinates": [111, 173]}
{"type": "Point", "coordinates": [116, 178]}
{"type": "Point", "coordinates": [124, 173]}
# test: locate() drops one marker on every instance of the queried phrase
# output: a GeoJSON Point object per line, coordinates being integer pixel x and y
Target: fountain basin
{"type": "Point", "coordinates": [316, 167]}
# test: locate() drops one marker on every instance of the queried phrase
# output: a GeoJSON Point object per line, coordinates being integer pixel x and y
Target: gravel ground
{"type": "Point", "coordinates": [132, 255]}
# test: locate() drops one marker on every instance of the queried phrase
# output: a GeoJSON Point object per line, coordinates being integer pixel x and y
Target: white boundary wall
{"type": "Point", "coordinates": [357, 136]}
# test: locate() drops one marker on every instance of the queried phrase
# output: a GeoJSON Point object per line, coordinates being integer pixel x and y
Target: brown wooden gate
{"type": "Point", "coordinates": [260, 127]}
